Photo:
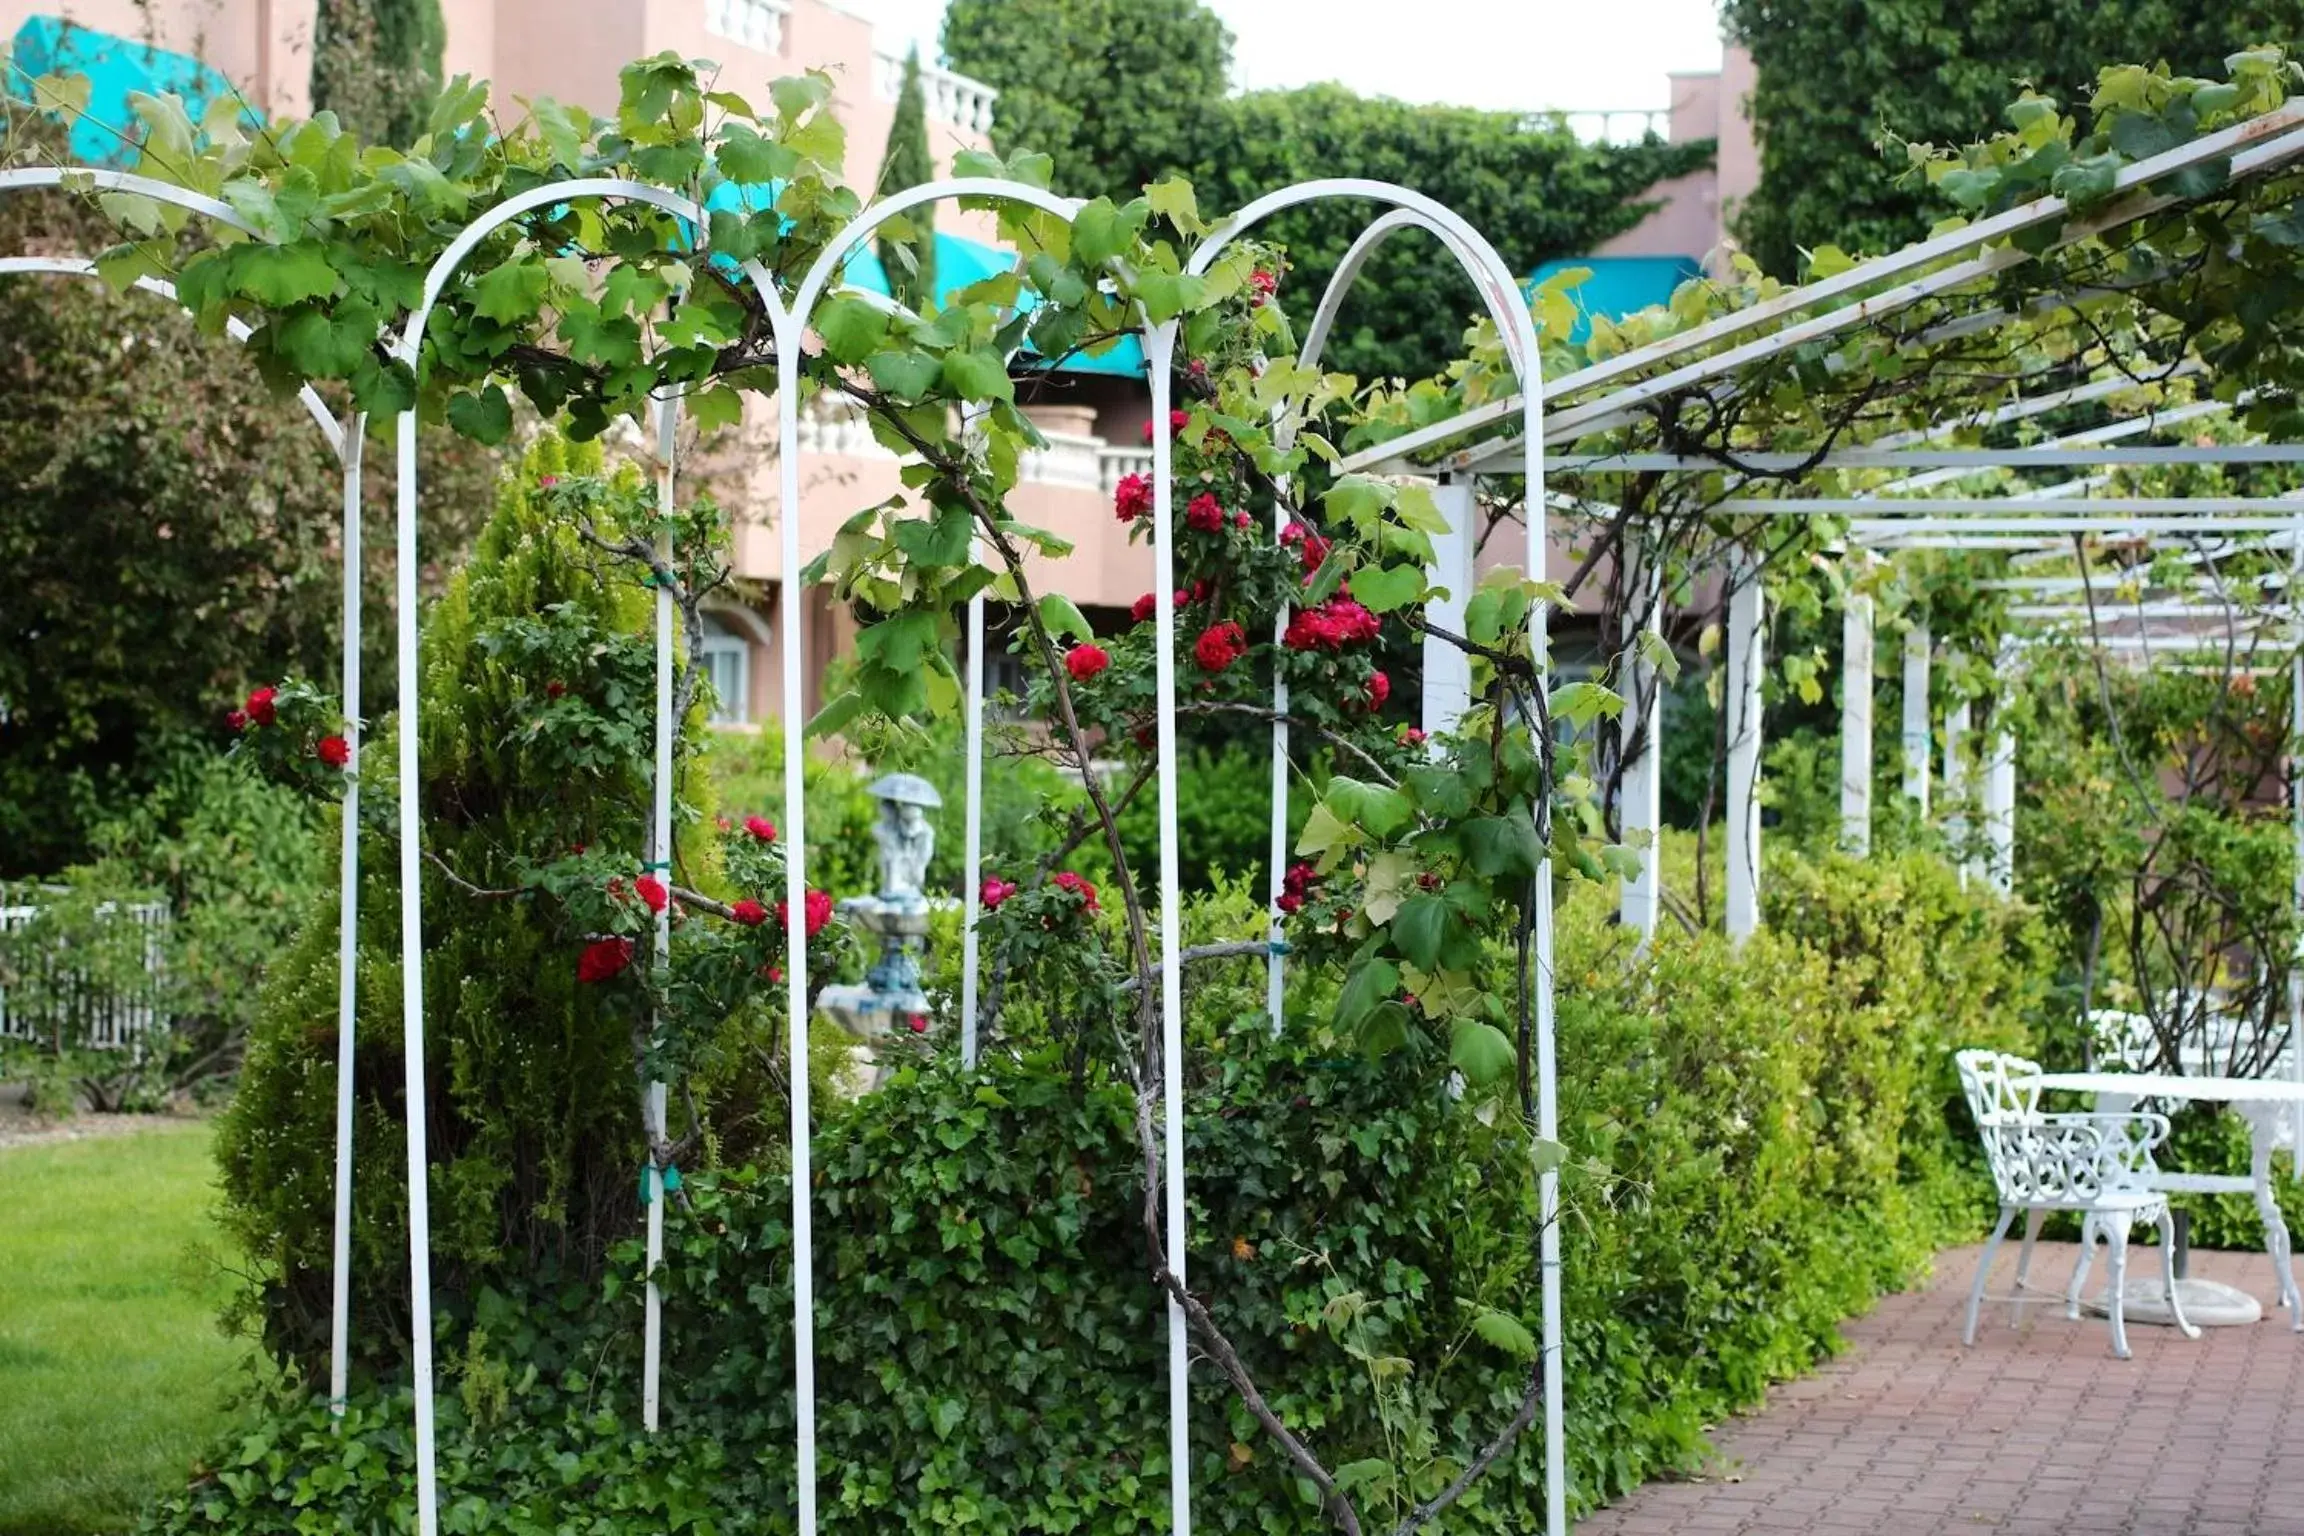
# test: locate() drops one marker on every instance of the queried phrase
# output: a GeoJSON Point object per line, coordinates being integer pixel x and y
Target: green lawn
{"type": "Point", "coordinates": [113, 1374]}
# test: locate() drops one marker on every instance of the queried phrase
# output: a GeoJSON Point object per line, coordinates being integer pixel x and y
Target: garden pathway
{"type": "Point", "coordinates": [2034, 1432]}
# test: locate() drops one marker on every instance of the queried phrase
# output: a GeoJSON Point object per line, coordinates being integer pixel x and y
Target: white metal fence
{"type": "Point", "coordinates": [56, 999]}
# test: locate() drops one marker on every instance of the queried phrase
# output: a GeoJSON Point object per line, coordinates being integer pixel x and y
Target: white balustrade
{"type": "Point", "coordinates": [1116, 464]}
{"type": "Point", "coordinates": [752, 23]}
{"type": "Point", "coordinates": [1628, 125]}
{"type": "Point", "coordinates": [836, 425]}
{"type": "Point", "coordinates": [953, 98]}
{"type": "Point", "coordinates": [1069, 459]}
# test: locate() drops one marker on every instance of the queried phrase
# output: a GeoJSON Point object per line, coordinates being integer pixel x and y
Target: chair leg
{"type": "Point", "coordinates": [2032, 1224]}
{"type": "Point", "coordinates": [2168, 1274]}
{"type": "Point", "coordinates": [1984, 1270]}
{"type": "Point", "coordinates": [2080, 1270]}
{"type": "Point", "coordinates": [2116, 1253]}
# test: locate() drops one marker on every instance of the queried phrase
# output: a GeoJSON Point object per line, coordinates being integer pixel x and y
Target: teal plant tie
{"type": "Point", "coordinates": [671, 1172]}
{"type": "Point", "coordinates": [1280, 947]}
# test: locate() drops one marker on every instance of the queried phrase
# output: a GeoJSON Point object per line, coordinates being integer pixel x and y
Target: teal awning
{"type": "Point", "coordinates": [108, 132]}
{"type": "Point", "coordinates": [1620, 285]}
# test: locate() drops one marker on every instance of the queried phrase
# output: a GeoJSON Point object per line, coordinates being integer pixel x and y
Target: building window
{"type": "Point", "coordinates": [728, 664]}
{"type": "Point", "coordinates": [753, 23]}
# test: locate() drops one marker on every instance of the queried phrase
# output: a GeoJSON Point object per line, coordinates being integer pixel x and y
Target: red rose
{"type": "Point", "coordinates": [1379, 689]}
{"type": "Point", "coordinates": [1178, 421]}
{"type": "Point", "coordinates": [335, 751]}
{"type": "Point", "coordinates": [1085, 661]}
{"type": "Point", "coordinates": [1219, 646]}
{"type": "Point", "coordinates": [1065, 880]}
{"type": "Point", "coordinates": [602, 959]}
{"type": "Point", "coordinates": [1290, 903]}
{"type": "Point", "coordinates": [1132, 497]}
{"type": "Point", "coordinates": [555, 688]}
{"type": "Point", "coordinates": [651, 890]}
{"type": "Point", "coordinates": [1143, 608]}
{"type": "Point", "coordinates": [1294, 533]}
{"type": "Point", "coordinates": [761, 827]}
{"type": "Point", "coordinates": [547, 481]}
{"type": "Point", "coordinates": [1264, 285]}
{"type": "Point", "coordinates": [1205, 513]}
{"type": "Point", "coordinates": [1315, 550]}
{"type": "Point", "coordinates": [1239, 519]}
{"type": "Point", "coordinates": [818, 908]}
{"type": "Point", "coordinates": [1411, 737]}
{"type": "Point", "coordinates": [237, 719]}
{"type": "Point", "coordinates": [748, 912]}
{"type": "Point", "coordinates": [995, 891]}
{"type": "Point", "coordinates": [917, 1023]}
{"type": "Point", "coordinates": [260, 706]}
{"type": "Point", "coordinates": [1298, 882]}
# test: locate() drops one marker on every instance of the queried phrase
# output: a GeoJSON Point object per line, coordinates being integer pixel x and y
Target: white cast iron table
{"type": "Point", "coordinates": [2269, 1105]}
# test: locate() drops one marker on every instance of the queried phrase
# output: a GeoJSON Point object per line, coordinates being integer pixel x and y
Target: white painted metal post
{"type": "Point", "coordinates": [412, 993]}
{"type": "Point", "coordinates": [347, 926]}
{"type": "Point", "coordinates": [1745, 666]}
{"type": "Point", "coordinates": [1641, 796]}
{"type": "Point", "coordinates": [2295, 598]}
{"type": "Point", "coordinates": [1957, 721]}
{"type": "Point", "coordinates": [1856, 643]}
{"type": "Point", "coordinates": [1447, 667]}
{"type": "Point", "coordinates": [660, 865]}
{"type": "Point", "coordinates": [1919, 722]}
{"type": "Point", "coordinates": [2000, 788]}
{"type": "Point", "coordinates": [972, 875]}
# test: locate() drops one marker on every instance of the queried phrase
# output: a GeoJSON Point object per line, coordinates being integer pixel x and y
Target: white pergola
{"type": "Point", "coordinates": [1542, 414]}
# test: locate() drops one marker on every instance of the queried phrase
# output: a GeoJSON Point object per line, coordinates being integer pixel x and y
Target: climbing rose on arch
{"type": "Point", "coordinates": [1143, 608]}
{"type": "Point", "coordinates": [995, 891]}
{"type": "Point", "coordinates": [761, 827]}
{"type": "Point", "coordinates": [651, 890]}
{"type": "Point", "coordinates": [260, 706]}
{"type": "Point", "coordinates": [1085, 661]}
{"type": "Point", "coordinates": [1204, 513]}
{"type": "Point", "coordinates": [1065, 880]}
{"type": "Point", "coordinates": [1379, 689]}
{"type": "Point", "coordinates": [748, 912]}
{"type": "Point", "coordinates": [1219, 646]}
{"type": "Point", "coordinates": [818, 910]}
{"type": "Point", "coordinates": [603, 959]}
{"type": "Point", "coordinates": [1132, 497]}
{"type": "Point", "coordinates": [335, 751]}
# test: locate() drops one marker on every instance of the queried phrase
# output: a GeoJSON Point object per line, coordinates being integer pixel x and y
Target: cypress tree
{"type": "Point", "coordinates": [910, 257]}
{"type": "Point", "coordinates": [376, 65]}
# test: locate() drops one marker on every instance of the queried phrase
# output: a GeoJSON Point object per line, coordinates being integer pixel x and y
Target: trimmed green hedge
{"type": "Point", "coordinates": [1759, 1144]}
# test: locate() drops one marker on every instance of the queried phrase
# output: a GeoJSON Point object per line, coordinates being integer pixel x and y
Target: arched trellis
{"type": "Point", "coordinates": [345, 439]}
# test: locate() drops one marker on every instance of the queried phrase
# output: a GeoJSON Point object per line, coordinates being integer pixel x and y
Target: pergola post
{"type": "Point", "coordinates": [1641, 790]}
{"type": "Point", "coordinates": [1957, 721]}
{"type": "Point", "coordinates": [1447, 667]}
{"type": "Point", "coordinates": [1856, 639]}
{"type": "Point", "coordinates": [1918, 731]}
{"type": "Point", "coordinates": [2000, 789]}
{"type": "Point", "coordinates": [1745, 606]}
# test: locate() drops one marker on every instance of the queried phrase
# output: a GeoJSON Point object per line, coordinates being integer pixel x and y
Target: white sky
{"type": "Point", "coordinates": [1522, 55]}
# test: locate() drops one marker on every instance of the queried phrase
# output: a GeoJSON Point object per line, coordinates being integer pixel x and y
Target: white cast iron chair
{"type": "Point", "coordinates": [2097, 1165]}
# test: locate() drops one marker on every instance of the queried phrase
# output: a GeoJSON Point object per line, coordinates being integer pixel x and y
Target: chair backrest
{"type": "Point", "coordinates": [1999, 1086]}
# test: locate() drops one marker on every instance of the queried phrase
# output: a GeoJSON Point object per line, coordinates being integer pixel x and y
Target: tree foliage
{"type": "Point", "coordinates": [1120, 96]}
{"type": "Point", "coordinates": [910, 257]}
{"type": "Point", "coordinates": [1838, 77]}
{"type": "Point", "coordinates": [376, 64]}
{"type": "Point", "coordinates": [1114, 92]}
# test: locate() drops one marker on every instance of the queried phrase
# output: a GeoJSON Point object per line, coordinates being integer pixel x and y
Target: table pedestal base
{"type": "Point", "coordinates": [2207, 1303]}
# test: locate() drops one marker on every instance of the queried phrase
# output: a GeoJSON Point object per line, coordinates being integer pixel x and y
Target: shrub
{"type": "Point", "coordinates": [1758, 1143]}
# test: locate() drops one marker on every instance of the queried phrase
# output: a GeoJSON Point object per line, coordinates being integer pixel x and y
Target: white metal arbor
{"type": "Point", "coordinates": [1498, 289]}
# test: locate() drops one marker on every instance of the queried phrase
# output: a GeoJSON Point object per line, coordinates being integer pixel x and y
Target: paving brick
{"type": "Point", "coordinates": [2037, 1431]}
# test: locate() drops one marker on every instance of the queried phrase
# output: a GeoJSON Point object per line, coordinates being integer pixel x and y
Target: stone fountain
{"type": "Point", "coordinates": [890, 996]}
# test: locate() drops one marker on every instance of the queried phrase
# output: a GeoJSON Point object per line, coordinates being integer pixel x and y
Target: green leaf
{"type": "Point", "coordinates": [836, 713]}
{"type": "Point", "coordinates": [1480, 1051]}
{"type": "Point", "coordinates": [978, 375]}
{"type": "Point", "coordinates": [1064, 618]}
{"type": "Point", "coordinates": [1505, 1332]}
{"type": "Point", "coordinates": [1502, 845]}
{"type": "Point", "coordinates": [1582, 703]}
{"type": "Point", "coordinates": [1175, 201]}
{"type": "Point", "coordinates": [1375, 809]}
{"type": "Point", "coordinates": [908, 376]}
{"type": "Point", "coordinates": [511, 293]}
{"type": "Point", "coordinates": [1101, 231]}
{"type": "Point", "coordinates": [852, 329]}
{"type": "Point", "coordinates": [898, 643]}
{"type": "Point", "coordinates": [1389, 589]}
{"type": "Point", "coordinates": [1371, 982]}
{"type": "Point", "coordinates": [485, 416]}
{"type": "Point", "coordinates": [281, 275]}
{"type": "Point", "coordinates": [1418, 929]}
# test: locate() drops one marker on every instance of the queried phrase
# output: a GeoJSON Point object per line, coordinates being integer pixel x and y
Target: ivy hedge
{"type": "Point", "coordinates": [1762, 1141]}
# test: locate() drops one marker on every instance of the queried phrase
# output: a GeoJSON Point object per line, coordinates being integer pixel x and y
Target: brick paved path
{"type": "Point", "coordinates": [2034, 1432]}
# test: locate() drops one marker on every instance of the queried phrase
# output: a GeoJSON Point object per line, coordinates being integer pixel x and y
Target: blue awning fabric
{"type": "Point", "coordinates": [115, 67]}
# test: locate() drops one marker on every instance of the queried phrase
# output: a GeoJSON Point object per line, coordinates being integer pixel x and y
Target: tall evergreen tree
{"type": "Point", "coordinates": [376, 65]}
{"type": "Point", "coordinates": [908, 162]}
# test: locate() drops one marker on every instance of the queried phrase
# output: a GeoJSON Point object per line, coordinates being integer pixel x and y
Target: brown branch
{"type": "Point", "coordinates": [1234, 949]}
{"type": "Point", "coordinates": [1521, 1418]}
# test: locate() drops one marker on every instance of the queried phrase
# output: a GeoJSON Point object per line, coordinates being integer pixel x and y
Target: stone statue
{"type": "Point", "coordinates": [906, 839]}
